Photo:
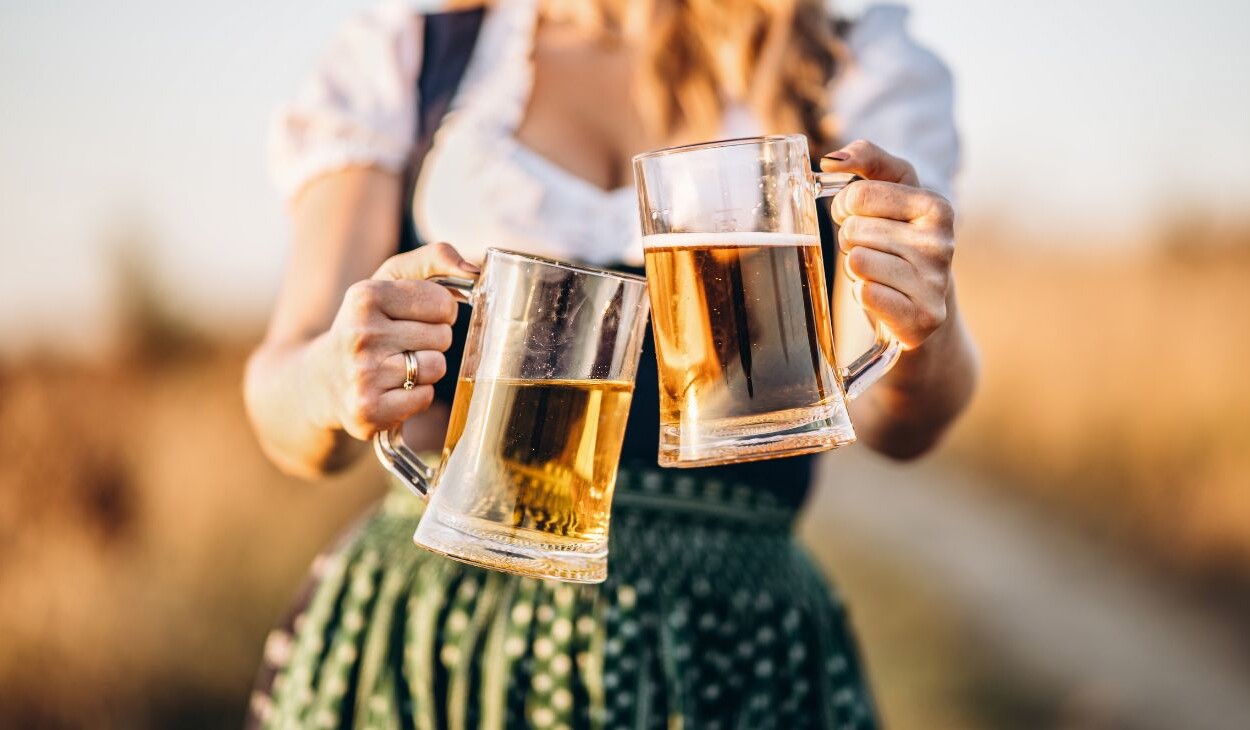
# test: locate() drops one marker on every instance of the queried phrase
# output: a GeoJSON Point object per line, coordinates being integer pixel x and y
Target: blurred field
{"type": "Point", "coordinates": [1115, 391]}
{"type": "Point", "coordinates": [145, 544]}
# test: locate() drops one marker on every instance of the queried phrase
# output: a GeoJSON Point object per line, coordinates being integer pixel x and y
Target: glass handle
{"type": "Point", "coordinates": [395, 456]}
{"type": "Point", "coordinates": [828, 184]}
{"type": "Point", "coordinates": [877, 361]}
{"type": "Point", "coordinates": [401, 461]}
{"type": "Point", "coordinates": [870, 366]}
{"type": "Point", "coordinates": [461, 288]}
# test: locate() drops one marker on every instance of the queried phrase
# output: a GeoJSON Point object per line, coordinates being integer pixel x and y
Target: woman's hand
{"type": "Point", "coordinates": [394, 311]}
{"type": "Point", "coordinates": [898, 240]}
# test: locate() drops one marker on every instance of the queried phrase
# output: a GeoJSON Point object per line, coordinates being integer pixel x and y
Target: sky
{"type": "Point", "coordinates": [139, 115]}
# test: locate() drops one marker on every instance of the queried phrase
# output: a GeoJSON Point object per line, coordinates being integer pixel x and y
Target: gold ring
{"type": "Point", "coordinates": [411, 369]}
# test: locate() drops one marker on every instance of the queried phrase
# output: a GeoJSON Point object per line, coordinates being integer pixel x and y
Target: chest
{"type": "Point", "coordinates": [536, 154]}
{"type": "Point", "coordinates": [582, 112]}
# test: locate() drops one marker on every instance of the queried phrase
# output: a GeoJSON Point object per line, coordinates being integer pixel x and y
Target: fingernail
{"type": "Point", "coordinates": [466, 266]}
{"type": "Point", "coordinates": [857, 292]}
{"type": "Point", "coordinates": [838, 156]}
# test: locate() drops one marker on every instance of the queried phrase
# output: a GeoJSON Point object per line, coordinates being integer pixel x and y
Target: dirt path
{"type": "Point", "coordinates": [1057, 607]}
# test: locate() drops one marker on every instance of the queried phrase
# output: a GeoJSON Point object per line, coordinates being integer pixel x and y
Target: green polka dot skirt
{"type": "Point", "coordinates": [712, 617]}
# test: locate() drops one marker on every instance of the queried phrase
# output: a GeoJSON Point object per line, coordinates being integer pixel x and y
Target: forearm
{"type": "Point", "coordinates": [329, 374]}
{"type": "Point", "coordinates": [289, 404]}
{"type": "Point", "coordinates": [907, 411]}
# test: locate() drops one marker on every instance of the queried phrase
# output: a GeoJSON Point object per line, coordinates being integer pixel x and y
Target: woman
{"type": "Point", "coordinates": [712, 615]}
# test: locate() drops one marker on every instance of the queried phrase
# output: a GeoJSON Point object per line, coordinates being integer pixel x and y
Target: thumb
{"type": "Point", "coordinates": [870, 162]}
{"type": "Point", "coordinates": [426, 262]}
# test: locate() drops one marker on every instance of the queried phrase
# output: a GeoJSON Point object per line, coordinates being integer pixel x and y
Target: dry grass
{"type": "Point", "coordinates": [1116, 391]}
{"type": "Point", "coordinates": [146, 545]}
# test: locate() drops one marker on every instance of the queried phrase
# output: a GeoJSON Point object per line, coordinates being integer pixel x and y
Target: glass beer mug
{"type": "Point", "coordinates": [529, 464]}
{"type": "Point", "coordinates": [739, 306]}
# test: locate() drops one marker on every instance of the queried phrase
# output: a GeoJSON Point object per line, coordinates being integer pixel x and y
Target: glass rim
{"type": "Point", "coordinates": [570, 266]}
{"type": "Point", "coordinates": [731, 142]}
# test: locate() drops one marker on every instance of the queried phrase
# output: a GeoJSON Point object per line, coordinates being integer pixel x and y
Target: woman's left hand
{"type": "Point", "coordinates": [898, 240]}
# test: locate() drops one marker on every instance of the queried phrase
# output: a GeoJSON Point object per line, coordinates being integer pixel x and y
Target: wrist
{"type": "Point", "coordinates": [921, 368]}
{"type": "Point", "coordinates": [319, 383]}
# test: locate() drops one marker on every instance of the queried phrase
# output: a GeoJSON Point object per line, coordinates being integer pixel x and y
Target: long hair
{"type": "Point", "coordinates": [777, 57]}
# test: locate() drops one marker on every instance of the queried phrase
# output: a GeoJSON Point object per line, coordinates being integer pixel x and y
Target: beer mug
{"type": "Point", "coordinates": [530, 458]}
{"type": "Point", "coordinates": [739, 306]}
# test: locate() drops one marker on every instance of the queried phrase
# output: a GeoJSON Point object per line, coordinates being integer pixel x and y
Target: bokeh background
{"type": "Point", "coordinates": [1076, 555]}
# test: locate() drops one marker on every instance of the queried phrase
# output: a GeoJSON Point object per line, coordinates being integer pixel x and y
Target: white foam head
{"type": "Point", "coordinates": [729, 238]}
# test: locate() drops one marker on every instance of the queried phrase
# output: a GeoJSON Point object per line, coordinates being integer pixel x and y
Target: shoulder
{"type": "Point", "coordinates": [384, 40]}
{"type": "Point", "coordinates": [899, 94]}
{"type": "Point", "coordinates": [880, 41]}
{"type": "Point", "coordinates": [356, 105]}
{"type": "Point", "coordinates": [373, 46]}
{"type": "Point", "coordinates": [395, 21]}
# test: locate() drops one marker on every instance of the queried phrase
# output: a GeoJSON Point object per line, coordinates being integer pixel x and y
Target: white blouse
{"type": "Point", "coordinates": [480, 187]}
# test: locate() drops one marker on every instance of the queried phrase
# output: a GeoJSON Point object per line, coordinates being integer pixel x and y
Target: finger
{"type": "Point", "coordinates": [876, 199]}
{"type": "Point", "coordinates": [398, 405]}
{"type": "Point", "coordinates": [891, 236]}
{"type": "Point", "coordinates": [435, 259]}
{"type": "Point", "coordinates": [870, 265]}
{"type": "Point", "coordinates": [400, 336]}
{"type": "Point", "coordinates": [411, 300]}
{"type": "Point", "coordinates": [431, 367]}
{"type": "Point", "coordinates": [870, 161]}
{"type": "Point", "coordinates": [887, 304]}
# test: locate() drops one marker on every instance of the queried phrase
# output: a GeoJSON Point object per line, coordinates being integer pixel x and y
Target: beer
{"type": "Point", "coordinates": [743, 341]}
{"type": "Point", "coordinates": [739, 306]}
{"type": "Point", "coordinates": [539, 455]}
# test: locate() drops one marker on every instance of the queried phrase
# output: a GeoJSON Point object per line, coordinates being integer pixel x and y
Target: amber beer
{"type": "Point", "coordinates": [739, 306]}
{"type": "Point", "coordinates": [743, 341]}
{"type": "Point", "coordinates": [541, 455]}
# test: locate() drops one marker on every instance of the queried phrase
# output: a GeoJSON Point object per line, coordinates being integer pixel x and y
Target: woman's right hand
{"type": "Point", "coordinates": [394, 311]}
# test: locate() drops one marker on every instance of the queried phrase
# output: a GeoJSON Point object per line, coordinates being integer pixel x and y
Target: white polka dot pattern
{"type": "Point", "coordinates": [710, 618]}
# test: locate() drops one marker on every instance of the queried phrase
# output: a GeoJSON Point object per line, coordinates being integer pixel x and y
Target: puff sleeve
{"type": "Point", "coordinates": [358, 106]}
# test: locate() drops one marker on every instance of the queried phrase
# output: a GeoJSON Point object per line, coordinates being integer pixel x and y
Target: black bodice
{"type": "Point", "coordinates": [449, 40]}
{"type": "Point", "coordinates": [787, 478]}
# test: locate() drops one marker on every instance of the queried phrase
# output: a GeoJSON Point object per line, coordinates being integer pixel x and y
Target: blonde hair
{"type": "Point", "coordinates": [777, 57]}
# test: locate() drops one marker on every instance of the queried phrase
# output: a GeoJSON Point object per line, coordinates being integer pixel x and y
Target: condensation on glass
{"type": "Point", "coordinates": [528, 467]}
{"type": "Point", "coordinates": [741, 317]}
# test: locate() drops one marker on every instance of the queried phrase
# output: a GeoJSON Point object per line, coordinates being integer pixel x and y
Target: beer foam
{"type": "Point", "coordinates": [729, 238]}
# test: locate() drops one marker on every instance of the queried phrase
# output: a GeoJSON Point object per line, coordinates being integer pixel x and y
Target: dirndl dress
{"type": "Point", "coordinates": [712, 616]}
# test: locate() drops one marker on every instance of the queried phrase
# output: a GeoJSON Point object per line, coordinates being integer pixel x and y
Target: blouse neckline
{"type": "Point", "coordinates": [573, 180]}
{"type": "Point", "coordinates": [507, 85]}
